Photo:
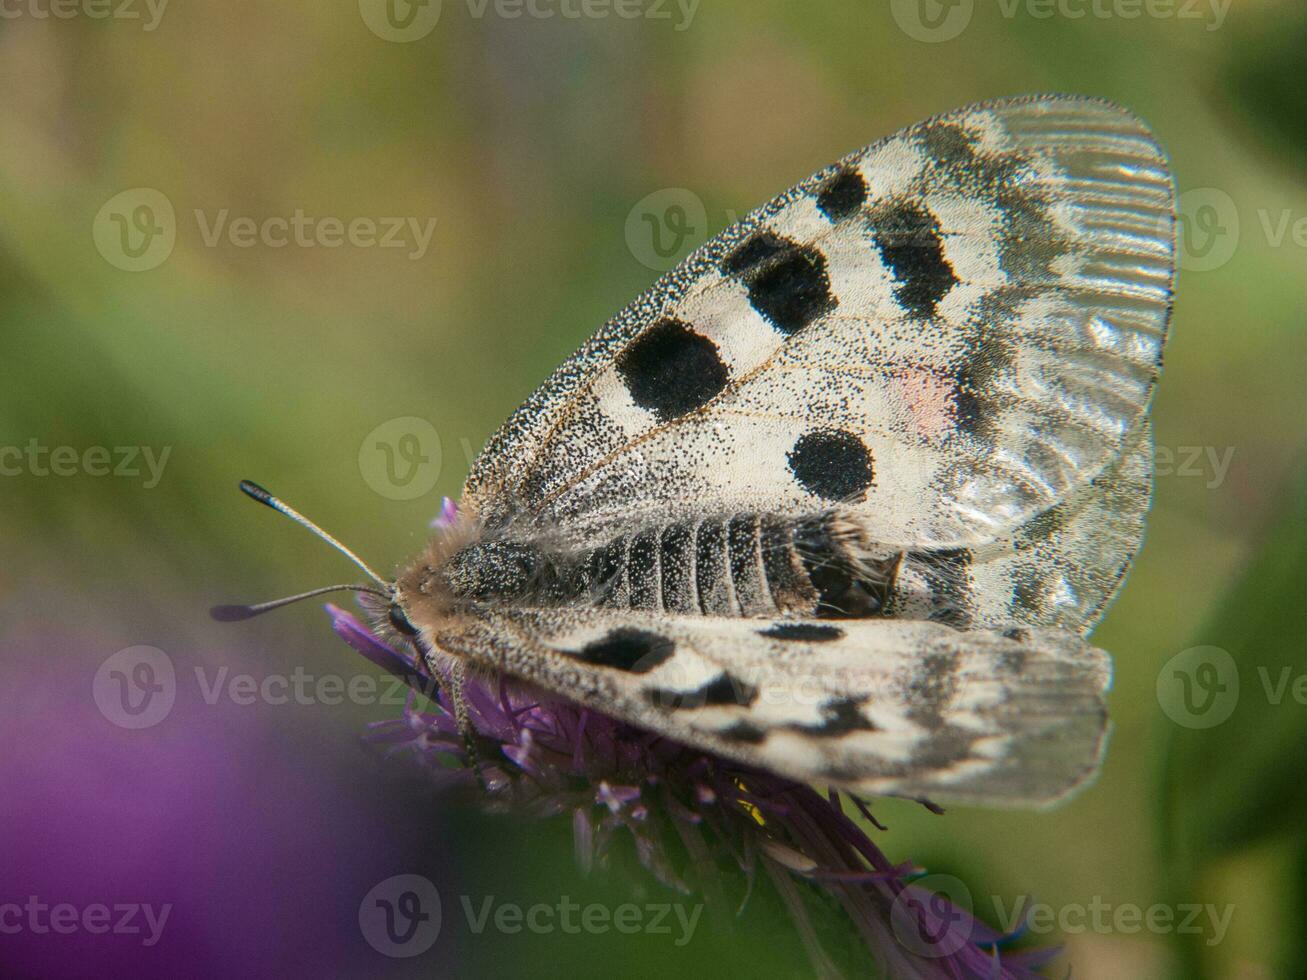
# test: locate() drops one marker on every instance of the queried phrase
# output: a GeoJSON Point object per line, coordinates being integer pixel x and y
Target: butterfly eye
{"type": "Point", "coordinates": [401, 621]}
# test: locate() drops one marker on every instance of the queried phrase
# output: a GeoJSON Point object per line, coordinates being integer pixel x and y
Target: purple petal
{"type": "Point", "coordinates": [352, 631]}
{"type": "Point", "coordinates": [448, 514]}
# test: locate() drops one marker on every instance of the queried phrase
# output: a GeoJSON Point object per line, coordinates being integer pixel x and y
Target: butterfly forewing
{"type": "Point", "coordinates": [949, 331]}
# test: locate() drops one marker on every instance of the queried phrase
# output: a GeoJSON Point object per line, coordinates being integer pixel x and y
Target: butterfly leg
{"type": "Point", "coordinates": [463, 717]}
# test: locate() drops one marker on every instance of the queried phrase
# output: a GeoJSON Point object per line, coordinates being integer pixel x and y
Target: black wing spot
{"type": "Point", "coordinates": [811, 632]}
{"type": "Point", "coordinates": [970, 413]}
{"type": "Point", "coordinates": [977, 378]}
{"type": "Point", "coordinates": [931, 689]}
{"type": "Point", "coordinates": [723, 690]}
{"type": "Point", "coordinates": [787, 283]}
{"type": "Point", "coordinates": [632, 650]}
{"type": "Point", "coordinates": [832, 463]}
{"type": "Point", "coordinates": [1028, 594]}
{"type": "Point", "coordinates": [839, 716]}
{"type": "Point", "coordinates": [949, 144]}
{"type": "Point", "coordinates": [842, 194]}
{"type": "Point", "coordinates": [910, 245]}
{"type": "Point", "coordinates": [671, 370]}
{"type": "Point", "coordinates": [727, 689]}
{"type": "Point", "coordinates": [745, 733]}
{"type": "Point", "coordinates": [1029, 244]}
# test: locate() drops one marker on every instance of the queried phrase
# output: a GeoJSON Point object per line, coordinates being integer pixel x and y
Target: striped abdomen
{"type": "Point", "coordinates": [744, 565]}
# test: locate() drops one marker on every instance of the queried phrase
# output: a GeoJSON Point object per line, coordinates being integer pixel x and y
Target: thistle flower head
{"type": "Point", "coordinates": [695, 820]}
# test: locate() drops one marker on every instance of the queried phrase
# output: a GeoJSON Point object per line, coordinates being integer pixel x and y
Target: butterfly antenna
{"type": "Point", "coordinates": [256, 492]}
{"type": "Point", "coordinates": [231, 614]}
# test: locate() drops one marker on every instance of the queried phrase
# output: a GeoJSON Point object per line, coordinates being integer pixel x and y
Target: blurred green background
{"type": "Point", "coordinates": [534, 144]}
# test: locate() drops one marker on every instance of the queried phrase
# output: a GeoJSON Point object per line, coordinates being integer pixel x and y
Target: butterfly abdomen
{"type": "Point", "coordinates": [740, 565]}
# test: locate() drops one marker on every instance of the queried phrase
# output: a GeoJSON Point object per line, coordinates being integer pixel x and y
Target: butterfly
{"type": "Point", "coordinates": [841, 495]}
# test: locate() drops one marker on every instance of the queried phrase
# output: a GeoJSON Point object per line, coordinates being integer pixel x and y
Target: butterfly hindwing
{"type": "Point", "coordinates": [949, 332]}
{"type": "Point", "coordinates": [1060, 568]}
{"type": "Point", "coordinates": [905, 708]}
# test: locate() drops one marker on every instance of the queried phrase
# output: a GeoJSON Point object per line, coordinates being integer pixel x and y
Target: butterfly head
{"type": "Point", "coordinates": [459, 570]}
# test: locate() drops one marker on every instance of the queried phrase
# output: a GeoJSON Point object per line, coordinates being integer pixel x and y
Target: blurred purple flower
{"type": "Point", "coordinates": [688, 813]}
{"type": "Point", "coordinates": [214, 817]}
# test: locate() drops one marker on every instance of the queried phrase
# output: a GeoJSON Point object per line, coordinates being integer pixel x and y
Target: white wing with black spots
{"type": "Point", "coordinates": [947, 333]}
{"type": "Point", "coordinates": [903, 708]}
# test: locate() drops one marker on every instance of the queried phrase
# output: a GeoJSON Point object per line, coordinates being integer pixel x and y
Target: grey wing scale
{"type": "Point", "coordinates": [893, 707]}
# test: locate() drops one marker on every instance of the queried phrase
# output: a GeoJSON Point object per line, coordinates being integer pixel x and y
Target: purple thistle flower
{"type": "Point", "coordinates": [688, 813]}
{"type": "Point", "coordinates": [448, 514]}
